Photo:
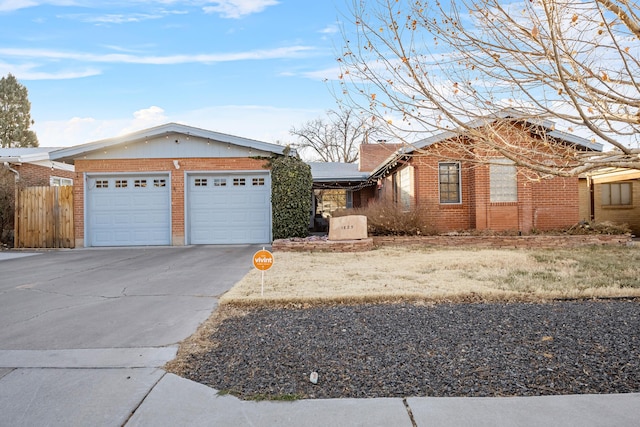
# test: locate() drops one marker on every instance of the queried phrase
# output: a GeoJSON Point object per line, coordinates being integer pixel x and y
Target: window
{"type": "Point", "coordinates": [239, 181]}
{"type": "Point", "coordinates": [402, 188]}
{"type": "Point", "coordinates": [140, 183]}
{"type": "Point", "coordinates": [616, 194]}
{"type": "Point", "coordinates": [56, 181]}
{"type": "Point", "coordinates": [159, 182]}
{"type": "Point", "coordinates": [219, 182]}
{"type": "Point", "coordinates": [449, 180]}
{"type": "Point", "coordinates": [102, 183]}
{"type": "Point", "coordinates": [503, 181]}
{"type": "Point", "coordinates": [121, 183]}
{"type": "Point", "coordinates": [200, 182]}
{"type": "Point", "coordinates": [257, 181]}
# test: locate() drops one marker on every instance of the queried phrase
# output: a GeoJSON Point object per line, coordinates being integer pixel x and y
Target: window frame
{"type": "Point", "coordinates": [59, 181]}
{"type": "Point", "coordinates": [441, 183]}
{"type": "Point", "coordinates": [620, 185]}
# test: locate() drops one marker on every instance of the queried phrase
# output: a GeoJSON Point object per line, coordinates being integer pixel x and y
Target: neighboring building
{"type": "Point", "coordinates": [461, 194]}
{"type": "Point", "coordinates": [34, 167]}
{"type": "Point", "coordinates": [171, 185]}
{"type": "Point", "coordinates": [26, 167]}
{"type": "Point", "coordinates": [611, 195]}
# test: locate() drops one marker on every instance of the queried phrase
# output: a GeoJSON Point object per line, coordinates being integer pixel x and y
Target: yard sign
{"type": "Point", "coordinates": [263, 260]}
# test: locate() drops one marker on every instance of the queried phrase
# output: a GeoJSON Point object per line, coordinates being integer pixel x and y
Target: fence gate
{"type": "Point", "coordinates": [44, 217]}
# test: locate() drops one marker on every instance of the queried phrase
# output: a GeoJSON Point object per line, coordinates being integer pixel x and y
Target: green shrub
{"type": "Point", "coordinates": [291, 186]}
{"type": "Point", "coordinates": [385, 218]}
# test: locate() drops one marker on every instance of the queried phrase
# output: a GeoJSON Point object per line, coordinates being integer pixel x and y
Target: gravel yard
{"type": "Point", "coordinates": [401, 350]}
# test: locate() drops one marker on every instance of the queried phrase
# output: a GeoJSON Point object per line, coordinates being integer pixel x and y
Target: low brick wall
{"type": "Point", "coordinates": [285, 245]}
{"type": "Point", "coordinates": [523, 242]}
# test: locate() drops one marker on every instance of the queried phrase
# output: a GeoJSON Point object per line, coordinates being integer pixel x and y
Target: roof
{"type": "Point", "coordinates": [548, 126]}
{"type": "Point", "coordinates": [335, 171]}
{"type": "Point", "coordinates": [612, 175]}
{"type": "Point", "coordinates": [26, 154]}
{"type": "Point", "coordinates": [166, 129]}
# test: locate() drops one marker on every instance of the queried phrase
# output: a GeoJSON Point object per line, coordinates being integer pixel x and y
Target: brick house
{"type": "Point", "coordinates": [171, 185]}
{"type": "Point", "coordinates": [26, 167]}
{"type": "Point", "coordinates": [34, 167]}
{"type": "Point", "coordinates": [454, 192]}
{"type": "Point", "coordinates": [608, 195]}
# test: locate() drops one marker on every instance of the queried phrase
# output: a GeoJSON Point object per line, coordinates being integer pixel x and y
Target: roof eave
{"type": "Point", "coordinates": [166, 129]}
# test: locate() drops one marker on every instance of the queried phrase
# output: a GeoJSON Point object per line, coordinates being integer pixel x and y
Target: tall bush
{"type": "Point", "coordinates": [291, 187]}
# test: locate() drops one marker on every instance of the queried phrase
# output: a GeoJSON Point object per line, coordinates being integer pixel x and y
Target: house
{"type": "Point", "coordinates": [26, 167]}
{"type": "Point", "coordinates": [456, 192]}
{"type": "Point", "coordinates": [611, 195]}
{"type": "Point", "coordinates": [171, 185]}
{"type": "Point", "coordinates": [34, 167]}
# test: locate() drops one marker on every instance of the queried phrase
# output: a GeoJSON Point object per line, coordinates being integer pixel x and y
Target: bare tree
{"type": "Point", "coordinates": [337, 138]}
{"type": "Point", "coordinates": [465, 67]}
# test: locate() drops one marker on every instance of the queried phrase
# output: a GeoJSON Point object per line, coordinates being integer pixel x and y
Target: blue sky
{"type": "Point", "coordinates": [96, 69]}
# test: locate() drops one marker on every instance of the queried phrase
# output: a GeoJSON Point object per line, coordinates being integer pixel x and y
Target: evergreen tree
{"type": "Point", "coordinates": [15, 115]}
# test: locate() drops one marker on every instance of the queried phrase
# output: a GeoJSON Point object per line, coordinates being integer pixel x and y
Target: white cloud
{"type": "Point", "coordinates": [118, 18]}
{"type": "Point", "coordinates": [146, 118]}
{"type": "Point", "coordinates": [11, 5]}
{"type": "Point", "coordinates": [29, 72]}
{"type": "Point", "coordinates": [330, 29]}
{"type": "Point", "coordinates": [207, 58]}
{"type": "Point", "coordinates": [238, 8]}
{"type": "Point", "coordinates": [121, 18]}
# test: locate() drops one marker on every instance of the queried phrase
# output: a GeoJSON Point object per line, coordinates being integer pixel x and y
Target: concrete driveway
{"type": "Point", "coordinates": [83, 333]}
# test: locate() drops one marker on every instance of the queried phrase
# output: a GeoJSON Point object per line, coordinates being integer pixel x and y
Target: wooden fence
{"type": "Point", "coordinates": [44, 217]}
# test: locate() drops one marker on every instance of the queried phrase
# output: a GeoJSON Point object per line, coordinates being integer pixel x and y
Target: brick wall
{"type": "Point", "coordinates": [443, 216]}
{"type": "Point", "coordinates": [495, 242]}
{"type": "Point", "coordinates": [546, 204]}
{"type": "Point", "coordinates": [556, 203]}
{"type": "Point", "coordinates": [372, 155]}
{"type": "Point", "coordinates": [506, 242]}
{"type": "Point", "coordinates": [35, 175]}
{"type": "Point", "coordinates": [156, 165]}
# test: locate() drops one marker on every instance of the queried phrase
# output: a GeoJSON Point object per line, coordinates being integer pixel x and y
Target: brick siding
{"type": "Point", "coordinates": [35, 175]}
{"type": "Point", "coordinates": [372, 155]}
{"type": "Point", "coordinates": [542, 204]}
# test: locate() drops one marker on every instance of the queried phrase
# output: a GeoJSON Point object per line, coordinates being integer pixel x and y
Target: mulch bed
{"type": "Point", "coordinates": [402, 350]}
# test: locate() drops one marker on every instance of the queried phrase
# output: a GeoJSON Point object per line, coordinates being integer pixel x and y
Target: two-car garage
{"type": "Point", "coordinates": [172, 185]}
{"type": "Point", "coordinates": [220, 208]}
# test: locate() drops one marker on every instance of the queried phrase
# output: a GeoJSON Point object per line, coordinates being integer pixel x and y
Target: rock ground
{"type": "Point", "coordinates": [402, 350]}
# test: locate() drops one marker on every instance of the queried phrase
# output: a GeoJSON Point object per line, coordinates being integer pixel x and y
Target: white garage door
{"type": "Point", "coordinates": [132, 210]}
{"type": "Point", "coordinates": [229, 208]}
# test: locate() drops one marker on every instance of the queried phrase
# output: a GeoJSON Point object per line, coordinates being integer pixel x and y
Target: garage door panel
{"type": "Point", "coordinates": [128, 211]}
{"type": "Point", "coordinates": [230, 213]}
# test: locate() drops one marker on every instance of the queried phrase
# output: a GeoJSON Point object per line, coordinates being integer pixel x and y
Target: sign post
{"type": "Point", "coordinates": [262, 260]}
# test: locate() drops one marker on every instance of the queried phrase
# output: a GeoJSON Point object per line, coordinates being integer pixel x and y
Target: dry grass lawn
{"type": "Point", "coordinates": [437, 274]}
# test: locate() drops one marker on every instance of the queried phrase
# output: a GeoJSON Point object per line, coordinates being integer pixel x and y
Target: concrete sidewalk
{"type": "Point", "coordinates": [127, 387]}
{"type": "Point", "coordinates": [176, 401]}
